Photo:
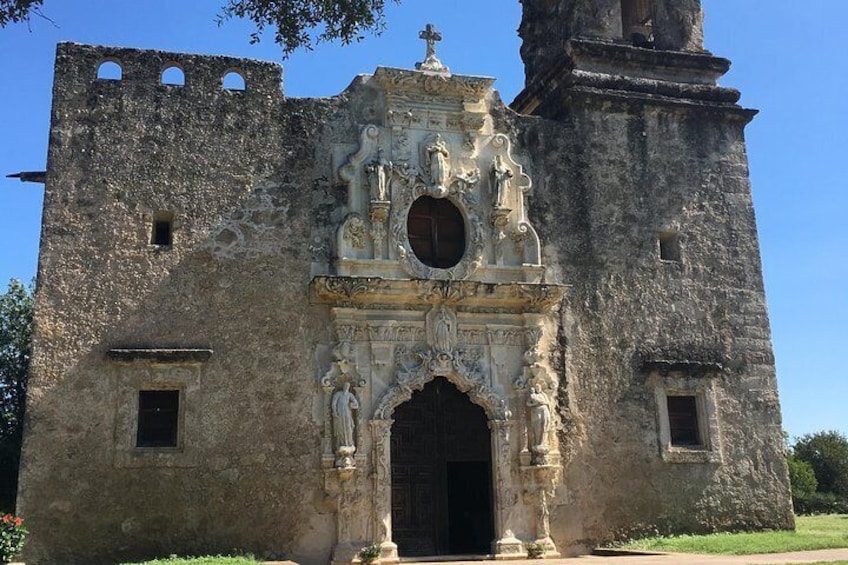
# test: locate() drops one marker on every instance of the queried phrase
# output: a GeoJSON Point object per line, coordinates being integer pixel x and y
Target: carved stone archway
{"type": "Point", "coordinates": [471, 380]}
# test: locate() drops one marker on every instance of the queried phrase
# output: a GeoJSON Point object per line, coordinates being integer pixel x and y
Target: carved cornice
{"type": "Point", "coordinates": [467, 88]}
{"type": "Point", "coordinates": [369, 292]}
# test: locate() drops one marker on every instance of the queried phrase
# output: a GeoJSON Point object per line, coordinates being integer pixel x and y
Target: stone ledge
{"type": "Point", "coordinates": [372, 292]}
{"type": "Point", "coordinates": [682, 365]}
{"type": "Point", "coordinates": [169, 356]}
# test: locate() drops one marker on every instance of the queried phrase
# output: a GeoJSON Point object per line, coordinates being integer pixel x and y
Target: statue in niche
{"type": "Point", "coordinates": [443, 332]}
{"type": "Point", "coordinates": [378, 172]}
{"type": "Point", "coordinates": [343, 404]}
{"type": "Point", "coordinates": [437, 161]}
{"type": "Point", "coordinates": [501, 178]}
{"type": "Point", "coordinates": [539, 408]}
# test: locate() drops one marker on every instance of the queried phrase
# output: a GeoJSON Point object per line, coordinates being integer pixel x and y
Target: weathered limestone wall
{"type": "Point", "coordinates": [610, 174]}
{"type": "Point", "coordinates": [238, 170]}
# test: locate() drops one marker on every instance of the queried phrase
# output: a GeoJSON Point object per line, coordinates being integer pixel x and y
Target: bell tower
{"type": "Point", "coordinates": [628, 36]}
{"type": "Point", "coordinates": [639, 157]}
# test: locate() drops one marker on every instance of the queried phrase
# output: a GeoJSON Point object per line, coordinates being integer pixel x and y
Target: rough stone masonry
{"type": "Point", "coordinates": [406, 315]}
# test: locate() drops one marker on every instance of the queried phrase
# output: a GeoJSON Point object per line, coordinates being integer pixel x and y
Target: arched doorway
{"type": "Point", "coordinates": [441, 474]}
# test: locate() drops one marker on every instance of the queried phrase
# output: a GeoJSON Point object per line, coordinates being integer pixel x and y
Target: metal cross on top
{"type": "Point", "coordinates": [431, 63]}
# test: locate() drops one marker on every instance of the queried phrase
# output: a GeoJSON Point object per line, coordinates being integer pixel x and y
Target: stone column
{"type": "Point", "coordinates": [382, 434]}
{"type": "Point", "coordinates": [506, 545]}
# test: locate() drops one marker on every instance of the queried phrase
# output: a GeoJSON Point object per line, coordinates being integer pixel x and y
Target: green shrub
{"type": "Point", "coordinates": [535, 550]}
{"type": "Point", "coordinates": [801, 476]}
{"type": "Point", "coordinates": [827, 454]}
{"type": "Point", "coordinates": [819, 503]}
{"type": "Point", "coordinates": [370, 553]}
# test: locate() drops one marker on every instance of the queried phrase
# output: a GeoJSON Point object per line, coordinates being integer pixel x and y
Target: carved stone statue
{"type": "Point", "coordinates": [437, 161]}
{"type": "Point", "coordinates": [443, 332]}
{"type": "Point", "coordinates": [378, 172]}
{"type": "Point", "coordinates": [343, 404]}
{"type": "Point", "coordinates": [501, 178]}
{"type": "Point", "coordinates": [539, 408]}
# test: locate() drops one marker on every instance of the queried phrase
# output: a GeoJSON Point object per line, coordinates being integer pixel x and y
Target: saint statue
{"type": "Point", "coordinates": [501, 178]}
{"type": "Point", "coordinates": [343, 405]}
{"type": "Point", "coordinates": [378, 172]}
{"type": "Point", "coordinates": [437, 161]}
{"type": "Point", "coordinates": [540, 417]}
{"type": "Point", "coordinates": [443, 332]}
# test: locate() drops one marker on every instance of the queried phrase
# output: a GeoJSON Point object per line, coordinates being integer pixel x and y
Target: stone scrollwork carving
{"type": "Point", "coordinates": [367, 140]}
{"type": "Point", "coordinates": [354, 232]}
{"type": "Point", "coordinates": [527, 243]}
{"type": "Point", "coordinates": [463, 367]}
{"type": "Point", "coordinates": [409, 183]}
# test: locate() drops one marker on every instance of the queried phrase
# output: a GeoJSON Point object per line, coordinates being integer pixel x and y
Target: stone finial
{"type": "Point", "coordinates": [431, 63]}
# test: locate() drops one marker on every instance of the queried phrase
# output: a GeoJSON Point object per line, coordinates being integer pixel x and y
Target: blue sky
{"type": "Point", "coordinates": [788, 62]}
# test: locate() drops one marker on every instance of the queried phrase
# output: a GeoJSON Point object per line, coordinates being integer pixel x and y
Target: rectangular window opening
{"type": "Point", "coordinates": [637, 22]}
{"type": "Point", "coordinates": [683, 421]}
{"type": "Point", "coordinates": [158, 418]}
{"type": "Point", "coordinates": [163, 229]}
{"type": "Point", "coordinates": [669, 246]}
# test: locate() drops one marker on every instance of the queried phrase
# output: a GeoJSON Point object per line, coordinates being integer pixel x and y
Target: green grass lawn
{"type": "Point", "coordinates": [812, 532]}
{"type": "Point", "coordinates": [212, 560]}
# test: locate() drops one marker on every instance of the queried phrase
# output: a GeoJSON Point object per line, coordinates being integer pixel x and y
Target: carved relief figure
{"type": "Point", "coordinates": [501, 178]}
{"type": "Point", "coordinates": [443, 332]}
{"type": "Point", "coordinates": [378, 172]}
{"type": "Point", "coordinates": [437, 161]}
{"type": "Point", "coordinates": [539, 408]}
{"type": "Point", "coordinates": [343, 405]}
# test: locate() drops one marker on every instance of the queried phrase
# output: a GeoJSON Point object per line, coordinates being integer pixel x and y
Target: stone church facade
{"type": "Point", "coordinates": [407, 315]}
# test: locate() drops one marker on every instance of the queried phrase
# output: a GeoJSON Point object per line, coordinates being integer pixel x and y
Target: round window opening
{"type": "Point", "coordinates": [436, 231]}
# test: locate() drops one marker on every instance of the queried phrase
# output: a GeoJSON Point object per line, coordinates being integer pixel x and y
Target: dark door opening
{"type": "Point", "coordinates": [441, 475]}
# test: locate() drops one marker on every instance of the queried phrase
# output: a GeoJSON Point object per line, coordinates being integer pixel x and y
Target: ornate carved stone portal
{"type": "Point", "coordinates": [484, 324]}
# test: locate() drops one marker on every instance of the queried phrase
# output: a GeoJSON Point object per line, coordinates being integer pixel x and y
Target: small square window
{"type": "Point", "coordinates": [687, 416]}
{"type": "Point", "coordinates": [669, 246]}
{"type": "Point", "coordinates": [163, 229]}
{"type": "Point", "coordinates": [683, 421]}
{"type": "Point", "coordinates": [158, 417]}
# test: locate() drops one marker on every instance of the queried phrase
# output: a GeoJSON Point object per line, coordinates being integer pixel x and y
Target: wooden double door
{"type": "Point", "coordinates": [441, 474]}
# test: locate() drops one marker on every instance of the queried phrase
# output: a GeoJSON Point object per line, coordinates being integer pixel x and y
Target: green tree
{"type": "Point", "coordinates": [827, 454]}
{"type": "Point", "coordinates": [801, 477]}
{"type": "Point", "coordinates": [297, 23]}
{"type": "Point", "coordinates": [16, 309]}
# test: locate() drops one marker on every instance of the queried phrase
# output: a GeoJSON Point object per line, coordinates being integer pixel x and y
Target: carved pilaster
{"type": "Point", "coordinates": [345, 489]}
{"type": "Point", "coordinates": [381, 433]}
{"type": "Point", "coordinates": [539, 487]}
{"type": "Point", "coordinates": [506, 545]}
{"type": "Point", "coordinates": [379, 215]}
{"type": "Point", "coordinates": [500, 219]}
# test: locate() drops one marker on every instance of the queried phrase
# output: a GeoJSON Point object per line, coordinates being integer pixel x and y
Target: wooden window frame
{"type": "Point", "coordinates": [427, 242]}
